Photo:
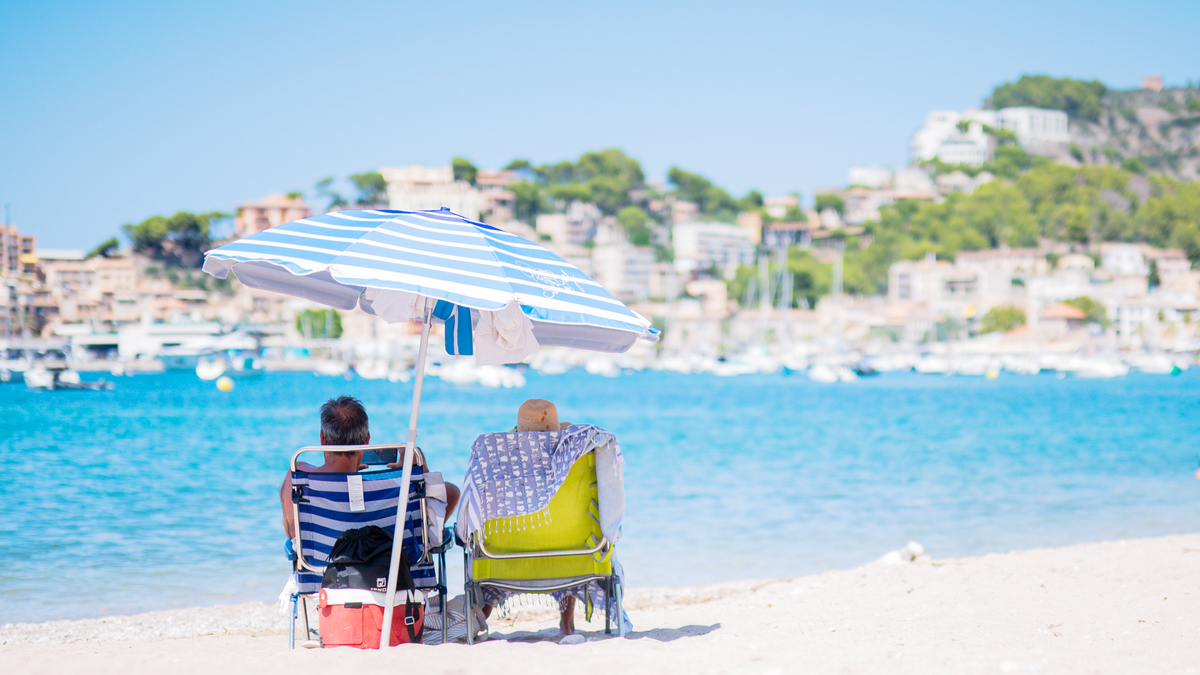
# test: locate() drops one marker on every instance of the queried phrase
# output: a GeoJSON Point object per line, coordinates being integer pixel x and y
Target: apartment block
{"type": "Point", "coordinates": [428, 188]}
{"type": "Point", "coordinates": [270, 211]}
{"type": "Point", "coordinates": [17, 252]}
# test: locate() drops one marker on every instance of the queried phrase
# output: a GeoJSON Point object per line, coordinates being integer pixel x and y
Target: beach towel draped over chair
{"type": "Point", "coordinates": [327, 504]}
{"type": "Point", "coordinates": [541, 513]}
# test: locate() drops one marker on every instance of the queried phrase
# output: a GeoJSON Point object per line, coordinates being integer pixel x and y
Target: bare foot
{"type": "Point", "coordinates": [566, 622]}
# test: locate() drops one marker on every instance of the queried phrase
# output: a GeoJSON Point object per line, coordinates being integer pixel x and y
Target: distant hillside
{"type": "Point", "coordinates": [1139, 130]}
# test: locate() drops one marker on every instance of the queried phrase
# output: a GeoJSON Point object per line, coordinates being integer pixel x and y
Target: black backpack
{"type": "Point", "coordinates": [360, 559]}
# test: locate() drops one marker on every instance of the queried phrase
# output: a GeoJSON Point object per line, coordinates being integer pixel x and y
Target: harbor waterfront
{"type": "Point", "coordinates": [164, 492]}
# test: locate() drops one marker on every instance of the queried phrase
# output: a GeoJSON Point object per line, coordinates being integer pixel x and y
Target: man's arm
{"type": "Point", "coordinates": [399, 463]}
{"type": "Point", "coordinates": [285, 500]}
{"type": "Point", "coordinates": [452, 495]}
{"type": "Point", "coordinates": [452, 491]}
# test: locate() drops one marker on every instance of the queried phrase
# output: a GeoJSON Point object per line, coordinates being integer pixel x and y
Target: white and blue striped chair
{"type": "Point", "coordinates": [322, 510]}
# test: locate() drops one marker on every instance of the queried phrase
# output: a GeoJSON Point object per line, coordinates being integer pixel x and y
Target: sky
{"type": "Point", "coordinates": [111, 112]}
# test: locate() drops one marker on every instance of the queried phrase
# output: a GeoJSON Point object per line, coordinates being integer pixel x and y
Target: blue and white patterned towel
{"type": "Point", "coordinates": [515, 474]}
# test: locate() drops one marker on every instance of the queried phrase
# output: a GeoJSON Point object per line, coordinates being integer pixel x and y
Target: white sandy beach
{"type": "Point", "coordinates": [1115, 607]}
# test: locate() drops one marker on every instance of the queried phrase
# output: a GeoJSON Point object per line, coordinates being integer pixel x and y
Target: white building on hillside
{"type": "Point", "coordinates": [874, 177]}
{"type": "Point", "coordinates": [996, 269]}
{"type": "Point", "coordinates": [873, 187]}
{"type": "Point", "coordinates": [942, 138]}
{"type": "Point", "coordinates": [959, 138]}
{"type": "Point", "coordinates": [701, 244]}
{"type": "Point", "coordinates": [778, 207]}
{"type": "Point", "coordinates": [1118, 258]}
{"type": "Point", "coordinates": [932, 282]}
{"type": "Point", "coordinates": [425, 188]}
{"type": "Point", "coordinates": [576, 226]}
{"type": "Point", "coordinates": [1035, 125]}
{"type": "Point", "coordinates": [620, 267]}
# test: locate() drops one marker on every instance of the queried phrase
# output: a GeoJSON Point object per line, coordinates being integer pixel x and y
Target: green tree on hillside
{"type": "Point", "coordinates": [611, 163]}
{"type": "Point", "coordinates": [604, 178]}
{"type": "Point", "coordinates": [1002, 319]}
{"type": "Point", "coordinates": [609, 193]}
{"type": "Point", "coordinates": [464, 170]}
{"type": "Point", "coordinates": [1075, 97]}
{"type": "Point", "coordinates": [371, 187]}
{"type": "Point", "coordinates": [179, 240]}
{"type": "Point", "coordinates": [1009, 161]}
{"type": "Point", "coordinates": [1095, 310]}
{"type": "Point", "coordinates": [571, 192]}
{"type": "Point", "coordinates": [1133, 165]}
{"type": "Point", "coordinates": [527, 201]}
{"type": "Point", "coordinates": [1171, 218]}
{"type": "Point", "coordinates": [1002, 136]}
{"type": "Point", "coordinates": [713, 201]}
{"type": "Point", "coordinates": [751, 202]}
{"type": "Point", "coordinates": [636, 224]}
{"type": "Point", "coordinates": [795, 215]}
{"type": "Point", "coordinates": [830, 201]}
{"type": "Point", "coordinates": [324, 189]}
{"type": "Point", "coordinates": [1001, 214]}
{"type": "Point", "coordinates": [105, 249]}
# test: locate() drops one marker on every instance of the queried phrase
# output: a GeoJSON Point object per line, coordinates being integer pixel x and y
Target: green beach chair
{"type": "Point", "coordinates": [563, 551]}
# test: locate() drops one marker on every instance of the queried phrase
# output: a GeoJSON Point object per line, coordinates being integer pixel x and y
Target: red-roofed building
{"type": "Point", "coordinates": [1060, 318]}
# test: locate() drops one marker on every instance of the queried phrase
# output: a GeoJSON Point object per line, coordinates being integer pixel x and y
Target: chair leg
{"type": "Point", "coordinates": [467, 606]}
{"type": "Point", "coordinates": [467, 596]}
{"type": "Point", "coordinates": [620, 615]}
{"type": "Point", "coordinates": [608, 600]}
{"type": "Point", "coordinates": [304, 613]}
{"type": "Point", "coordinates": [443, 591]}
{"type": "Point", "coordinates": [292, 623]}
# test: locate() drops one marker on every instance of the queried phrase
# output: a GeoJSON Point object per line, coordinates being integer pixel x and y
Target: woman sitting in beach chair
{"type": "Point", "coordinates": [358, 486]}
{"type": "Point", "coordinates": [541, 514]}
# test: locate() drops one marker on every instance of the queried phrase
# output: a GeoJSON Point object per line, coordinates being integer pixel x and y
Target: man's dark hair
{"type": "Point", "coordinates": [344, 421]}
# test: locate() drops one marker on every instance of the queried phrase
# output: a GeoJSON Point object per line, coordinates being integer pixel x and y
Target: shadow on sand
{"type": "Point", "coordinates": [659, 634]}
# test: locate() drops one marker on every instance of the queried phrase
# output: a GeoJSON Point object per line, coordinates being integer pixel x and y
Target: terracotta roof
{"type": "Point", "coordinates": [1064, 311]}
{"type": "Point", "coordinates": [1022, 331]}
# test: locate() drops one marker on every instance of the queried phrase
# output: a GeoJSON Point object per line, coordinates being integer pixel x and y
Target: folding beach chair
{"type": "Point", "coordinates": [323, 509]}
{"type": "Point", "coordinates": [566, 550]}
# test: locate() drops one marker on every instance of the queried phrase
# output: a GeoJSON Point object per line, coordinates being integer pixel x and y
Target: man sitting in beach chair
{"type": "Point", "coordinates": [344, 422]}
{"type": "Point", "coordinates": [322, 502]}
{"type": "Point", "coordinates": [542, 511]}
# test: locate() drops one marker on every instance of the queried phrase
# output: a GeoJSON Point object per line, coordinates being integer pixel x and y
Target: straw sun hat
{"type": "Point", "coordinates": [538, 414]}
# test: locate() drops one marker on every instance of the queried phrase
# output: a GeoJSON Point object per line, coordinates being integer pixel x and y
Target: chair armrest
{"type": "Point", "coordinates": [418, 456]}
{"type": "Point", "coordinates": [601, 546]}
{"type": "Point", "coordinates": [447, 542]}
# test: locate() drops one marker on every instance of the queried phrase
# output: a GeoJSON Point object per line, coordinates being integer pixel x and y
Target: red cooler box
{"type": "Point", "coordinates": [352, 617]}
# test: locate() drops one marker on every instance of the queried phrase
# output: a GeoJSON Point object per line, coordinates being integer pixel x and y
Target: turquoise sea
{"type": "Point", "coordinates": [164, 492]}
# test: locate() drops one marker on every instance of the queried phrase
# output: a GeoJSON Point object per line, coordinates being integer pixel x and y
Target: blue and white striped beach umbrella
{"type": "Point", "coordinates": [383, 261]}
{"type": "Point", "coordinates": [496, 292]}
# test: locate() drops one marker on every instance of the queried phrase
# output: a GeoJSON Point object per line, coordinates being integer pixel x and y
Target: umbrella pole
{"type": "Point", "coordinates": [405, 480]}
